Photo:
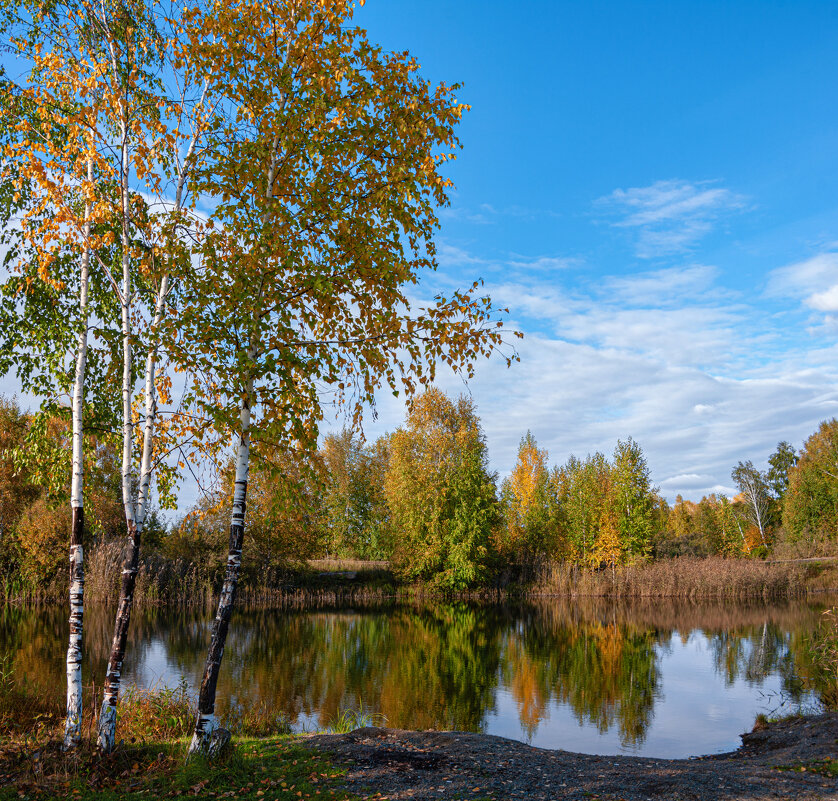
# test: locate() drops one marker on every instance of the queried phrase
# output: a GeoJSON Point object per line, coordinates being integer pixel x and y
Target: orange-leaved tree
{"type": "Point", "coordinates": [52, 157]}
{"type": "Point", "coordinates": [323, 180]}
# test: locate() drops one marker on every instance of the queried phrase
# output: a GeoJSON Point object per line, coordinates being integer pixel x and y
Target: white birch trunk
{"type": "Point", "coordinates": [107, 716]}
{"type": "Point", "coordinates": [72, 724]}
{"type": "Point", "coordinates": [206, 739]}
{"type": "Point", "coordinates": [135, 516]}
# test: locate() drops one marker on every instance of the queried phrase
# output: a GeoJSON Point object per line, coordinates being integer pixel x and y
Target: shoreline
{"type": "Point", "coordinates": [794, 758]}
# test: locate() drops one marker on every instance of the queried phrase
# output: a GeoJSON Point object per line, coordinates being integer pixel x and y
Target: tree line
{"type": "Point", "coordinates": [424, 498]}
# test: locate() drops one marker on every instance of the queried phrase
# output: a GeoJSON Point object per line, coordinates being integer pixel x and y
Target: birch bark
{"type": "Point", "coordinates": [107, 716]}
{"type": "Point", "coordinates": [207, 738]}
{"type": "Point", "coordinates": [72, 724]}
{"type": "Point", "coordinates": [137, 515]}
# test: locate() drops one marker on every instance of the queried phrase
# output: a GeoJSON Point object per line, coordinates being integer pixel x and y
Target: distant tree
{"type": "Point", "coordinates": [440, 493]}
{"type": "Point", "coordinates": [633, 498]}
{"type": "Point", "coordinates": [609, 547]}
{"type": "Point", "coordinates": [474, 515]}
{"type": "Point", "coordinates": [780, 462]}
{"type": "Point", "coordinates": [706, 524]}
{"type": "Point", "coordinates": [526, 501]}
{"type": "Point", "coordinates": [678, 538]}
{"type": "Point", "coordinates": [285, 508]}
{"type": "Point", "coordinates": [355, 519]}
{"type": "Point", "coordinates": [582, 493]}
{"type": "Point", "coordinates": [719, 524]}
{"type": "Point", "coordinates": [756, 493]}
{"type": "Point", "coordinates": [810, 504]}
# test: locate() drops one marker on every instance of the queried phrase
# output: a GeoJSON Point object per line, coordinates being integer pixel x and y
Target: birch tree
{"type": "Point", "coordinates": [325, 177]}
{"type": "Point", "coordinates": [163, 150]}
{"type": "Point", "coordinates": [754, 487]}
{"type": "Point", "coordinates": [95, 77]}
{"type": "Point", "coordinates": [50, 161]}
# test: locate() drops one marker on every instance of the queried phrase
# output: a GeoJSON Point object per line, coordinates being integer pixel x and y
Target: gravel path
{"type": "Point", "coordinates": [442, 765]}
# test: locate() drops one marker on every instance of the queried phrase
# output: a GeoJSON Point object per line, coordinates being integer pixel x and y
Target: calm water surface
{"type": "Point", "coordinates": [657, 679]}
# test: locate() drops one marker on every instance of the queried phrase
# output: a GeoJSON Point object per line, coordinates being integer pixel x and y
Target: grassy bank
{"type": "Point", "coordinates": [265, 761]}
{"type": "Point", "coordinates": [265, 769]}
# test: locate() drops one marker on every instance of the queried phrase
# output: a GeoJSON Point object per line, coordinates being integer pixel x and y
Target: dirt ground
{"type": "Point", "coordinates": [790, 759]}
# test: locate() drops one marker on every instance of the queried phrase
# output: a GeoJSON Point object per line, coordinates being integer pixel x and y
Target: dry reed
{"type": "Point", "coordinates": [710, 578]}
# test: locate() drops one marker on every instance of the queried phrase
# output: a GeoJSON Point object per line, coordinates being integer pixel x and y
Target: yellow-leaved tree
{"type": "Point", "coordinates": [440, 493]}
{"type": "Point", "coordinates": [323, 175]}
{"type": "Point", "coordinates": [529, 506]}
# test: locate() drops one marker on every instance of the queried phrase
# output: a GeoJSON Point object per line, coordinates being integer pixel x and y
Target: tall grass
{"type": "Point", "coordinates": [162, 580]}
{"type": "Point", "coordinates": [159, 580]}
{"type": "Point", "coordinates": [350, 719]}
{"type": "Point", "coordinates": [179, 582]}
{"type": "Point", "coordinates": [710, 578]}
{"type": "Point", "coordinates": [348, 565]}
{"type": "Point", "coordinates": [824, 650]}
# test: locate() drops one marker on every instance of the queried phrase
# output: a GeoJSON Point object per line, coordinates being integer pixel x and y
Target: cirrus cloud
{"type": "Point", "coordinates": [669, 217]}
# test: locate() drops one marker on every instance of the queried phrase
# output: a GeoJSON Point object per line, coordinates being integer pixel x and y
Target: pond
{"type": "Point", "coordinates": [655, 679]}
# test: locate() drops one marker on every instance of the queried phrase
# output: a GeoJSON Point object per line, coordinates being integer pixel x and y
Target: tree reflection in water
{"type": "Point", "coordinates": [438, 666]}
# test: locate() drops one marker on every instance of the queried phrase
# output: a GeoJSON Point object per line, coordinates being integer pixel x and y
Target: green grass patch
{"type": "Point", "coordinates": [823, 767]}
{"type": "Point", "coordinates": [272, 769]}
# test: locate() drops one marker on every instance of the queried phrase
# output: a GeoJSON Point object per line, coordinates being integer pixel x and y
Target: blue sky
{"type": "Point", "coordinates": [652, 188]}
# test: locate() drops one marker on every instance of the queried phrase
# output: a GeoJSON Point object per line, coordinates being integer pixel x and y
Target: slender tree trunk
{"type": "Point", "coordinates": [107, 716]}
{"type": "Point", "coordinates": [758, 513]}
{"type": "Point", "coordinates": [208, 738]}
{"type": "Point", "coordinates": [72, 725]}
{"type": "Point", "coordinates": [135, 516]}
{"type": "Point", "coordinates": [107, 719]}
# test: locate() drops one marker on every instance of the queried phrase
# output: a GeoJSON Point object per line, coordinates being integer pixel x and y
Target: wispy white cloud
{"type": "Point", "coordinates": [676, 316]}
{"type": "Point", "coordinates": [826, 301]}
{"type": "Point", "coordinates": [669, 216]}
{"type": "Point", "coordinates": [662, 287]}
{"type": "Point", "coordinates": [543, 264]}
{"type": "Point", "coordinates": [451, 256]}
{"type": "Point", "coordinates": [482, 217]}
{"type": "Point", "coordinates": [813, 281]}
{"type": "Point", "coordinates": [670, 357]}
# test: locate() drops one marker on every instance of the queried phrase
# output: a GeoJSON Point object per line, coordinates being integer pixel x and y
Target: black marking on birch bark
{"type": "Point", "coordinates": [209, 682]}
{"type": "Point", "coordinates": [72, 723]}
{"type": "Point", "coordinates": [76, 569]}
{"type": "Point", "coordinates": [113, 676]}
